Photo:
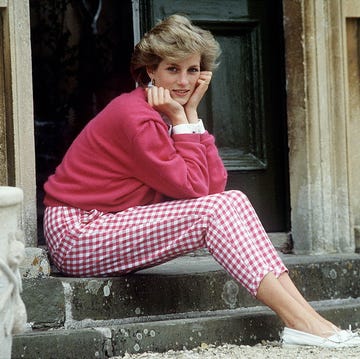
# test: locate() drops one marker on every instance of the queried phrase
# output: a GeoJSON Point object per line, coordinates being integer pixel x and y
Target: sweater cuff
{"type": "Point", "coordinates": [187, 128]}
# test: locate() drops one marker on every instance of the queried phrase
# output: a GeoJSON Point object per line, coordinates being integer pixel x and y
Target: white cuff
{"type": "Point", "coordinates": [201, 127]}
{"type": "Point", "coordinates": [186, 128]}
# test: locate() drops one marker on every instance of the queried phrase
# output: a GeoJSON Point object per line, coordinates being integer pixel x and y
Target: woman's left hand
{"type": "Point", "coordinates": [199, 92]}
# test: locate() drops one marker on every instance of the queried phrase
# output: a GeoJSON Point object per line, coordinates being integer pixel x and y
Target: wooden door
{"type": "Point", "coordinates": [245, 106]}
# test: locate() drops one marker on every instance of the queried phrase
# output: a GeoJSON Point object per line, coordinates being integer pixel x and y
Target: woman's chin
{"type": "Point", "coordinates": [181, 101]}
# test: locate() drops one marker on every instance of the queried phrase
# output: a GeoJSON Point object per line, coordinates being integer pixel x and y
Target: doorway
{"type": "Point", "coordinates": [245, 107]}
{"type": "Point", "coordinates": [81, 53]}
{"type": "Point", "coordinates": [80, 58]}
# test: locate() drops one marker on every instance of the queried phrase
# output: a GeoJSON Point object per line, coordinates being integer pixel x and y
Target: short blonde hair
{"type": "Point", "coordinates": [174, 38]}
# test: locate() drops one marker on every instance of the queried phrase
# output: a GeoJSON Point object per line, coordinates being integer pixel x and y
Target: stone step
{"type": "Point", "coordinates": [246, 326]}
{"type": "Point", "coordinates": [178, 289]}
{"type": "Point", "coordinates": [183, 303]}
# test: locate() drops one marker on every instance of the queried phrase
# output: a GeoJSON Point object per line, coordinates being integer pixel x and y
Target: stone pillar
{"type": "Point", "coordinates": [17, 148]}
{"type": "Point", "coordinates": [12, 250]}
{"type": "Point", "coordinates": [352, 16]}
{"type": "Point", "coordinates": [317, 126]}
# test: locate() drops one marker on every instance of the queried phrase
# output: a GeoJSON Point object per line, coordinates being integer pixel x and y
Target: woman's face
{"type": "Point", "coordinates": [180, 77]}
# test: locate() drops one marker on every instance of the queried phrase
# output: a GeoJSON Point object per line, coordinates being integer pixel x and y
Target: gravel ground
{"type": "Point", "coordinates": [265, 350]}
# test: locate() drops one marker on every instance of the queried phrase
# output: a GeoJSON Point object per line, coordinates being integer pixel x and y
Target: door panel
{"type": "Point", "coordinates": [244, 107]}
{"type": "Point", "coordinates": [235, 112]}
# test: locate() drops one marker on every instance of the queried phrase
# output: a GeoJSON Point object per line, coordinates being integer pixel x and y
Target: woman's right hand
{"type": "Point", "coordinates": [159, 98]}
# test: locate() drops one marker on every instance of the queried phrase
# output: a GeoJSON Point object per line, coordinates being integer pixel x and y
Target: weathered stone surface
{"type": "Point", "coordinates": [35, 264]}
{"type": "Point", "coordinates": [326, 277]}
{"type": "Point", "coordinates": [248, 327]}
{"type": "Point", "coordinates": [143, 295]}
{"type": "Point", "coordinates": [79, 344]}
{"type": "Point", "coordinates": [323, 171]}
{"type": "Point", "coordinates": [190, 333]}
{"type": "Point", "coordinates": [45, 302]}
{"type": "Point", "coordinates": [185, 302]}
{"type": "Point", "coordinates": [182, 288]}
{"type": "Point", "coordinates": [17, 108]}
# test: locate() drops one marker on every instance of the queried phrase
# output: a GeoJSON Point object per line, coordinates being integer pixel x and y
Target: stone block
{"type": "Point", "coordinates": [45, 302]}
{"type": "Point", "coordinates": [64, 344]}
{"type": "Point", "coordinates": [326, 277]}
{"type": "Point", "coordinates": [182, 286]}
{"type": "Point", "coordinates": [35, 264]}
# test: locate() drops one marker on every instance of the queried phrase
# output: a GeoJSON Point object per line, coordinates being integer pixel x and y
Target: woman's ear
{"type": "Point", "coordinates": [150, 71]}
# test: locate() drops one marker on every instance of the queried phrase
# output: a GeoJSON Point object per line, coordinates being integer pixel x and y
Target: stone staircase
{"type": "Point", "coordinates": [181, 304]}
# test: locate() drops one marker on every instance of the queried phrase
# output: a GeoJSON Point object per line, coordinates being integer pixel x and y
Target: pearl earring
{"type": "Point", "coordinates": [151, 83]}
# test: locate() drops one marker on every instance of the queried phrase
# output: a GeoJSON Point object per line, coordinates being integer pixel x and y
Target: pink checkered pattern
{"type": "Point", "coordinates": [93, 243]}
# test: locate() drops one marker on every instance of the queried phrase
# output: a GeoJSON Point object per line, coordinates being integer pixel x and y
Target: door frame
{"type": "Point", "coordinates": [19, 169]}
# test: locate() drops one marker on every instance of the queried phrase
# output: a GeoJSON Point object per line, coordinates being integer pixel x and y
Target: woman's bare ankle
{"type": "Point", "coordinates": [314, 326]}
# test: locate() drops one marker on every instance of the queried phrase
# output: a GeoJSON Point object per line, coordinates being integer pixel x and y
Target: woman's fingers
{"type": "Point", "coordinates": [205, 76]}
{"type": "Point", "coordinates": [204, 81]}
{"type": "Point", "coordinates": [158, 96]}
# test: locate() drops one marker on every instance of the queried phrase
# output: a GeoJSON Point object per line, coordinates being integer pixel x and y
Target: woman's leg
{"type": "Point", "coordinates": [290, 287]}
{"type": "Point", "coordinates": [93, 243]}
{"type": "Point", "coordinates": [273, 284]}
{"type": "Point", "coordinates": [281, 295]}
{"type": "Point", "coordinates": [87, 243]}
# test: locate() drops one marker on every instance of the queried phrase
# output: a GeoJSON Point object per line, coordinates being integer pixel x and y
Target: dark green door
{"type": "Point", "coordinates": [244, 108]}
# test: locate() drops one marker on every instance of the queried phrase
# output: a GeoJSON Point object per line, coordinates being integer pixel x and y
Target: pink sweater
{"type": "Point", "coordinates": [125, 157]}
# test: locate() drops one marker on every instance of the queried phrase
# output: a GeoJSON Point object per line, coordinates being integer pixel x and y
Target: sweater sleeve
{"type": "Point", "coordinates": [216, 168]}
{"type": "Point", "coordinates": [175, 166]}
{"type": "Point", "coordinates": [217, 171]}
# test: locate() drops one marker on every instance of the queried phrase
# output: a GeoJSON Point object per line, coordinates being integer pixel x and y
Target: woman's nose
{"type": "Point", "coordinates": [183, 78]}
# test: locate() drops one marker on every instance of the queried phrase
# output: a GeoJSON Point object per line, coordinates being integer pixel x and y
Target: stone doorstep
{"type": "Point", "coordinates": [246, 327]}
{"type": "Point", "coordinates": [183, 288]}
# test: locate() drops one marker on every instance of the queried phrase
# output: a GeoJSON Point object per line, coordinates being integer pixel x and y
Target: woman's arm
{"type": "Point", "coordinates": [175, 166]}
{"type": "Point", "coordinates": [204, 170]}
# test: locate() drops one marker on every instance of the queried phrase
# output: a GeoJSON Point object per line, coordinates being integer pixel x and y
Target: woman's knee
{"type": "Point", "coordinates": [227, 200]}
{"type": "Point", "coordinates": [236, 195]}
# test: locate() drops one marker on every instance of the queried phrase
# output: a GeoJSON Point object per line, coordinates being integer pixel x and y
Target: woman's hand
{"type": "Point", "coordinates": [199, 92]}
{"type": "Point", "coordinates": [160, 99]}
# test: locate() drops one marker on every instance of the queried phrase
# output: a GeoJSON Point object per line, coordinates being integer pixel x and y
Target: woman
{"type": "Point", "coordinates": [143, 183]}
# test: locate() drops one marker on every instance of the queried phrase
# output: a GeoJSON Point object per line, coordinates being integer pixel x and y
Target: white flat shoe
{"type": "Point", "coordinates": [340, 339]}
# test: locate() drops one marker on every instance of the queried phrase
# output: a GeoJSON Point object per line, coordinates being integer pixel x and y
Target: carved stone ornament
{"type": "Point", "coordinates": [12, 252]}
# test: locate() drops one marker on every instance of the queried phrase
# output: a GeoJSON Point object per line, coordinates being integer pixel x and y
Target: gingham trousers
{"type": "Point", "coordinates": [93, 243]}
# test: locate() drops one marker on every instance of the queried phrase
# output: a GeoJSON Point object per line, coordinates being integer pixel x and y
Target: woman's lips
{"type": "Point", "coordinates": [180, 93]}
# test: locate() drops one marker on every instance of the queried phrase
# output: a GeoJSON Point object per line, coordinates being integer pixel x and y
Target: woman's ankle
{"type": "Point", "coordinates": [314, 326]}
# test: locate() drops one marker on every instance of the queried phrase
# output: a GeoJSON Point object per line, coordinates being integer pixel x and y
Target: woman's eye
{"type": "Point", "coordinates": [172, 69]}
{"type": "Point", "coordinates": [194, 69]}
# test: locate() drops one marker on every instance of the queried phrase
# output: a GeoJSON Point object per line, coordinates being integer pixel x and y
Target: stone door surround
{"type": "Point", "coordinates": [321, 41]}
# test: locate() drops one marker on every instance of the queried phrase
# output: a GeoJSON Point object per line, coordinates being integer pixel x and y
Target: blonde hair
{"type": "Point", "coordinates": [174, 39]}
